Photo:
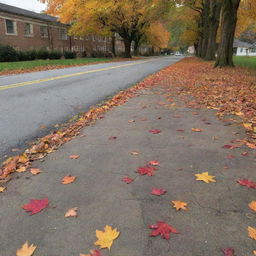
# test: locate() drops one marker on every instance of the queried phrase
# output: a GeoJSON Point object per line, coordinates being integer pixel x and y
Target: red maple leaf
{"type": "Point", "coordinates": [127, 179]}
{"type": "Point", "coordinates": [228, 251]}
{"type": "Point", "coordinates": [36, 205]}
{"type": "Point", "coordinates": [95, 253]}
{"type": "Point", "coordinates": [163, 229]}
{"type": "Point", "coordinates": [146, 170]}
{"type": "Point", "coordinates": [247, 183]}
{"type": "Point", "coordinates": [155, 131]}
{"type": "Point", "coordinates": [158, 191]}
{"type": "Point", "coordinates": [180, 130]}
{"type": "Point", "coordinates": [227, 146]}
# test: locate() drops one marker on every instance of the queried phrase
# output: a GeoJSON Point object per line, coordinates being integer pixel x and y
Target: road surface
{"type": "Point", "coordinates": [31, 104]}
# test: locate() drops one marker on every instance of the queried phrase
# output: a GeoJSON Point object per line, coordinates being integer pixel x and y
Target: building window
{"type": "Point", "coordinates": [44, 31]}
{"type": "Point", "coordinates": [11, 28]}
{"type": "Point", "coordinates": [253, 50]}
{"type": "Point", "coordinates": [28, 29]}
{"type": "Point", "coordinates": [241, 49]}
{"type": "Point", "coordinates": [63, 34]}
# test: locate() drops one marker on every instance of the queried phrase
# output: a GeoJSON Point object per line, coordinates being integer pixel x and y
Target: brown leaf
{"type": "Point", "coordinates": [35, 171]}
{"type": "Point", "coordinates": [74, 156]}
{"type": "Point", "coordinates": [2, 189]}
{"type": "Point", "coordinates": [68, 179]}
{"type": "Point", "coordinates": [71, 212]}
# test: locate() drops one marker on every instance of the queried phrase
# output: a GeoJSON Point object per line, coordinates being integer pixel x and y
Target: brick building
{"type": "Point", "coordinates": [24, 30]}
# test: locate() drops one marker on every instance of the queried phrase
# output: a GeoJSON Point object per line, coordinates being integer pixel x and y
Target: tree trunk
{"type": "Point", "coordinates": [205, 28]}
{"type": "Point", "coordinates": [113, 44]}
{"type": "Point", "coordinates": [127, 45]}
{"type": "Point", "coordinates": [228, 27]}
{"type": "Point", "coordinates": [214, 20]}
{"type": "Point", "coordinates": [136, 48]}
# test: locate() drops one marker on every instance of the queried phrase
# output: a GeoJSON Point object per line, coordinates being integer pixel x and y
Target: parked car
{"type": "Point", "coordinates": [178, 54]}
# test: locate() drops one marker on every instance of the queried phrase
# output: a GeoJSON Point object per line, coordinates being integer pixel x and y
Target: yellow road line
{"type": "Point", "coordinates": [9, 86]}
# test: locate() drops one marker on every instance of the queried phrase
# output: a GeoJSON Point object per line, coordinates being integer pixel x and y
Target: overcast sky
{"type": "Point", "coordinates": [32, 5]}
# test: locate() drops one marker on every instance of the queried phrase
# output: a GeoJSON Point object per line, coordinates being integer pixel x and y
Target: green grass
{"type": "Point", "coordinates": [21, 65]}
{"type": "Point", "coordinates": [249, 62]}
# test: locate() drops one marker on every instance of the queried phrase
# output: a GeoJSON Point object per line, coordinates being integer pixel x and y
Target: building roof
{"type": "Point", "coordinates": [26, 13]}
{"type": "Point", "coordinates": [238, 43]}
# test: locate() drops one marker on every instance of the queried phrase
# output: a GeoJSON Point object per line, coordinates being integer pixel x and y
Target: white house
{"type": "Point", "coordinates": [243, 48]}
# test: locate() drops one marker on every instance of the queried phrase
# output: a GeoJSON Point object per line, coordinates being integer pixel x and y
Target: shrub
{"type": "Point", "coordinates": [31, 55]}
{"type": "Point", "coordinates": [55, 55]}
{"type": "Point", "coordinates": [22, 56]}
{"type": "Point", "coordinates": [42, 54]}
{"type": "Point", "coordinates": [69, 55]}
{"type": "Point", "coordinates": [8, 53]}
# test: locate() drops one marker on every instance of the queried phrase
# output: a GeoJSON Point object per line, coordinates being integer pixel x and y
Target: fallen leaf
{"type": "Point", "coordinates": [247, 183]}
{"type": "Point", "coordinates": [71, 212]}
{"type": "Point", "coordinates": [74, 156]}
{"type": "Point", "coordinates": [254, 252]}
{"type": "Point", "coordinates": [112, 138]}
{"type": "Point", "coordinates": [205, 177]}
{"type": "Point", "coordinates": [92, 253]}
{"type": "Point", "coordinates": [196, 130]}
{"type": "Point", "coordinates": [195, 113]}
{"type": "Point", "coordinates": [178, 205]}
{"type": "Point", "coordinates": [180, 130]}
{"type": "Point", "coordinates": [2, 189]}
{"type": "Point", "coordinates": [163, 229]}
{"type": "Point", "coordinates": [42, 126]}
{"type": "Point", "coordinates": [146, 170]}
{"type": "Point", "coordinates": [252, 232]}
{"type": "Point", "coordinates": [245, 154]}
{"type": "Point", "coordinates": [35, 171]}
{"type": "Point", "coordinates": [21, 169]}
{"type": "Point", "coordinates": [127, 180]}
{"type": "Point", "coordinates": [252, 205]}
{"type": "Point", "coordinates": [176, 116]}
{"type": "Point", "coordinates": [154, 163]}
{"type": "Point", "coordinates": [155, 131]}
{"type": "Point", "coordinates": [68, 179]}
{"type": "Point", "coordinates": [247, 126]}
{"type": "Point", "coordinates": [227, 146]}
{"type": "Point", "coordinates": [135, 153]}
{"type": "Point", "coordinates": [158, 191]}
{"type": "Point", "coordinates": [131, 121]}
{"type": "Point", "coordinates": [36, 205]}
{"type": "Point", "coordinates": [251, 145]}
{"type": "Point", "coordinates": [228, 252]}
{"type": "Point", "coordinates": [106, 237]}
{"type": "Point", "coordinates": [26, 250]}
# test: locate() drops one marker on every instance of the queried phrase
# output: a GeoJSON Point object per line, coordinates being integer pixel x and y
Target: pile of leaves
{"type": "Point", "coordinates": [53, 141]}
{"type": "Point", "coordinates": [230, 91]}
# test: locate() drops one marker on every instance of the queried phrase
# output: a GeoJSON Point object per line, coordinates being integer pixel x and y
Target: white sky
{"type": "Point", "coordinates": [32, 5]}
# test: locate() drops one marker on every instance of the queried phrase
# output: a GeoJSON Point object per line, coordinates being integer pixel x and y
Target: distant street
{"type": "Point", "coordinates": [31, 104]}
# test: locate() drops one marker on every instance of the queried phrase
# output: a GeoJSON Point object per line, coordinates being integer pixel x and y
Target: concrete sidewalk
{"type": "Point", "coordinates": [218, 214]}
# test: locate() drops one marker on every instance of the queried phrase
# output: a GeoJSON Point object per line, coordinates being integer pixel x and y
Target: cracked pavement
{"type": "Point", "coordinates": [218, 213]}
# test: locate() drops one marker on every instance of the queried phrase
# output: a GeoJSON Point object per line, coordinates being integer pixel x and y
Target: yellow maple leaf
{"type": "Point", "coordinates": [205, 177]}
{"type": "Point", "coordinates": [106, 237]}
{"type": "Point", "coordinates": [247, 126]}
{"type": "Point", "coordinates": [26, 250]}
{"type": "Point", "coordinates": [21, 169]}
{"type": "Point", "coordinates": [252, 205]}
{"type": "Point", "coordinates": [179, 205]}
{"type": "Point", "coordinates": [2, 189]}
{"type": "Point", "coordinates": [252, 232]}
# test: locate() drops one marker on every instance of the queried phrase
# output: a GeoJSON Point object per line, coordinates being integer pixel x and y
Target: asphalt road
{"type": "Point", "coordinates": [31, 101]}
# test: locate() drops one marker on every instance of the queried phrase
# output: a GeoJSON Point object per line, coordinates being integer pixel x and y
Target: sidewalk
{"type": "Point", "coordinates": [218, 214]}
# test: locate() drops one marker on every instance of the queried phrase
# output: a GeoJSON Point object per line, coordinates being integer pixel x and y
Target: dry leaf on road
{"type": "Point", "coordinates": [127, 180]}
{"type": "Point", "coordinates": [68, 179]}
{"type": "Point", "coordinates": [35, 171]}
{"type": "Point", "coordinates": [92, 253]}
{"type": "Point", "coordinates": [35, 205]}
{"type": "Point", "coordinates": [106, 237]}
{"type": "Point", "coordinates": [74, 156]}
{"type": "Point", "coordinates": [71, 212]}
{"type": "Point", "coordinates": [21, 169]}
{"type": "Point", "coordinates": [205, 177]}
{"type": "Point", "coordinates": [26, 250]}
{"type": "Point", "coordinates": [252, 205]}
{"type": "Point", "coordinates": [163, 229]}
{"type": "Point", "coordinates": [158, 191]}
{"type": "Point", "coordinates": [196, 130]}
{"type": "Point", "coordinates": [178, 205]}
{"type": "Point", "coordinates": [252, 232]}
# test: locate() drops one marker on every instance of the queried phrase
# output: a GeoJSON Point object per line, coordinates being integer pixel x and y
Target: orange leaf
{"type": "Point", "coordinates": [252, 205]}
{"type": "Point", "coordinates": [35, 171]}
{"type": "Point", "coordinates": [196, 130]}
{"type": "Point", "coordinates": [21, 169]}
{"type": "Point", "coordinates": [178, 205]}
{"type": "Point", "coordinates": [71, 212]}
{"type": "Point", "coordinates": [68, 179]}
{"type": "Point", "coordinates": [252, 232]}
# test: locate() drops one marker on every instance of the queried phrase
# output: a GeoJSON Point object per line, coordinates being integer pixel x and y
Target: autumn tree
{"type": "Point", "coordinates": [124, 17]}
